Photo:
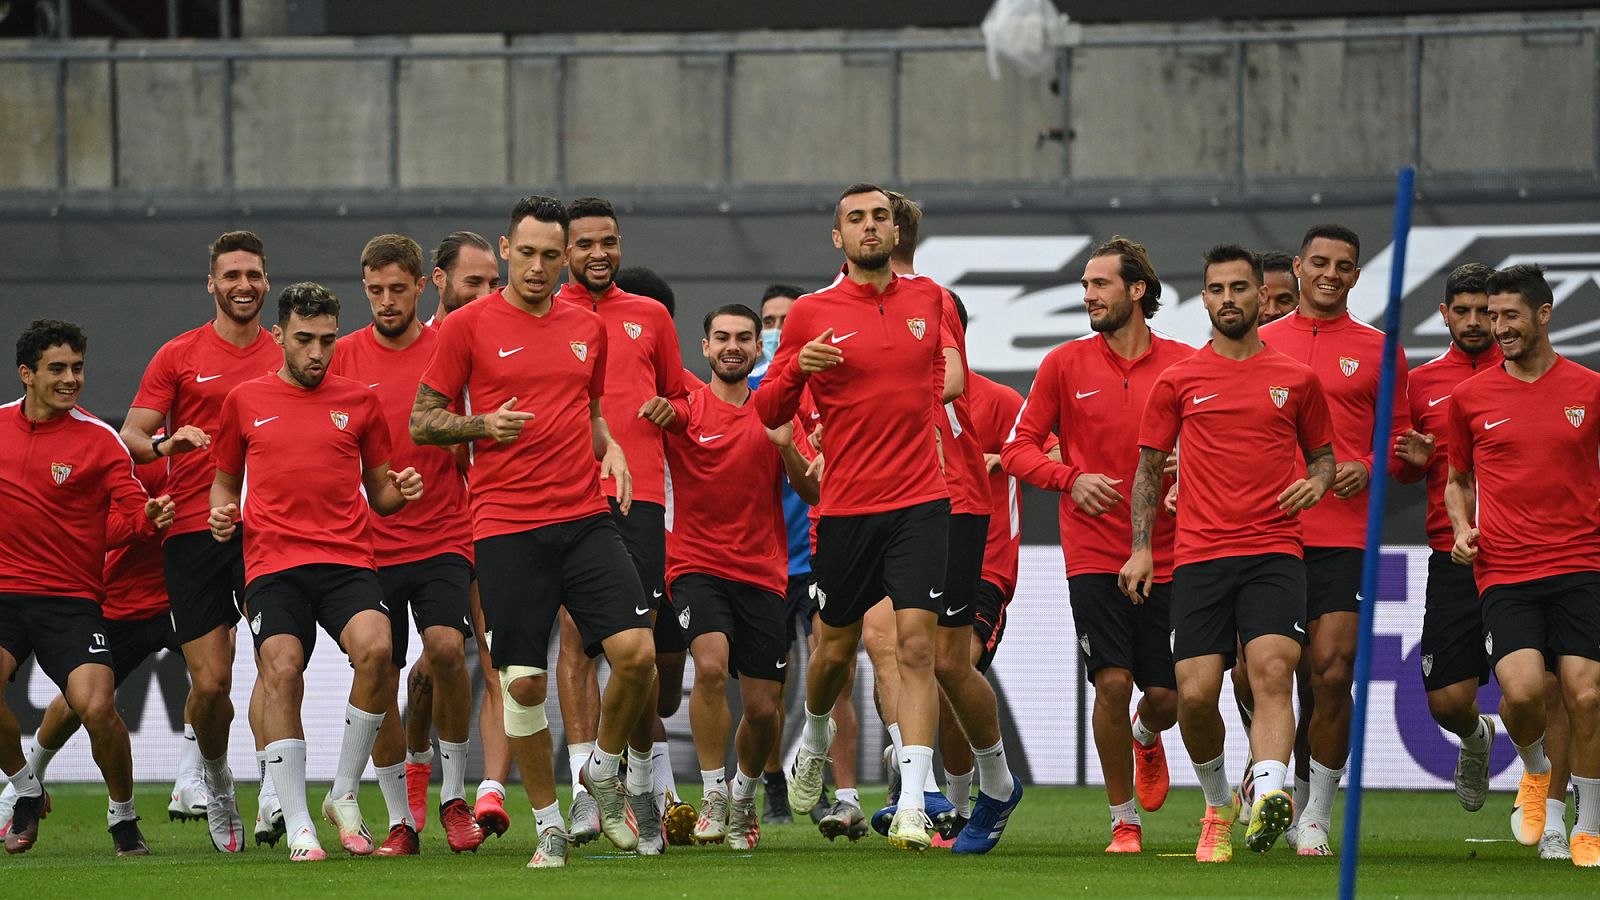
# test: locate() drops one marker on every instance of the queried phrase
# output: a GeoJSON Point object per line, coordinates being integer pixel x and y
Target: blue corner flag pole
{"type": "Point", "coordinates": [1350, 852]}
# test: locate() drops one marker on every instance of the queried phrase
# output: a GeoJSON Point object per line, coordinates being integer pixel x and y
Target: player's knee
{"type": "Point", "coordinates": [1582, 701]}
{"type": "Point", "coordinates": [1447, 706]}
{"type": "Point", "coordinates": [1113, 687]}
{"type": "Point", "coordinates": [761, 709]}
{"type": "Point", "coordinates": [372, 655]}
{"type": "Point", "coordinates": [1193, 695]}
{"type": "Point", "coordinates": [1333, 675]}
{"type": "Point", "coordinates": [1522, 695]}
{"type": "Point", "coordinates": [445, 653]}
{"type": "Point", "coordinates": [914, 651]}
{"type": "Point", "coordinates": [98, 712]}
{"type": "Point", "coordinates": [632, 657]}
{"type": "Point", "coordinates": [711, 671]}
{"type": "Point", "coordinates": [522, 690]}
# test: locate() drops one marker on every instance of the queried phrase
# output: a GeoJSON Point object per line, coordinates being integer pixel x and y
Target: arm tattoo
{"type": "Point", "coordinates": [431, 423]}
{"type": "Point", "coordinates": [1146, 495]}
{"type": "Point", "coordinates": [1319, 466]}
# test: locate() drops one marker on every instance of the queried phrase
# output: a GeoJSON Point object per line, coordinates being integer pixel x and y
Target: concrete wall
{"type": "Point", "coordinates": [1310, 110]}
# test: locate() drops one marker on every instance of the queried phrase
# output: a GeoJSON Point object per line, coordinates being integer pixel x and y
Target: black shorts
{"type": "Point", "coordinates": [1333, 580]}
{"type": "Point", "coordinates": [897, 554]}
{"type": "Point", "coordinates": [669, 634]}
{"type": "Point", "coordinates": [963, 569]}
{"type": "Point", "coordinates": [798, 606]}
{"type": "Point", "coordinates": [438, 591]}
{"type": "Point", "coordinates": [63, 632]}
{"type": "Point", "coordinates": [644, 534]}
{"type": "Point", "coordinates": [1115, 632]}
{"type": "Point", "coordinates": [751, 619]}
{"type": "Point", "coordinates": [989, 620]}
{"type": "Point", "coordinates": [205, 582]}
{"type": "Point", "coordinates": [1452, 626]}
{"type": "Point", "coordinates": [1558, 615]}
{"type": "Point", "coordinates": [295, 601]}
{"type": "Point", "coordinates": [525, 577]}
{"type": "Point", "coordinates": [135, 640]}
{"type": "Point", "coordinates": [1221, 603]}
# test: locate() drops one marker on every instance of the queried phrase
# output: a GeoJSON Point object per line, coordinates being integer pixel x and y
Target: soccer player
{"type": "Point", "coordinates": [464, 269]}
{"type": "Point", "coordinates": [423, 552]}
{"type": "Point", "coordinates": [180, 396]}
{"type": "Point", "coordinates": [308, 551]}
{"type": "Point", "coordinates": [995, 408]}
{"type": "Point", "coordinates": [138, 625]}
{"type": "Point", "coordinates": [1089, 392]}
{"type": "Point", "coordinates": [725, 574]}
{"type": "Point", "coordinates": [1280, 292]}
{"type": "Point", "coordinates": [1533, 542]}
{"type": "Point", "coordinates": [884, 510]}
{"type": "Point", "coordinates": [1346, 354]}
{"type": "Point", "coordinates": [1245, 415]}
{"type": "Point", "coordinates": [643, 362]}
{"type": "Point", "coordinates": [544, 535]}
{"type": "Point", "coordinates": [65, 473]}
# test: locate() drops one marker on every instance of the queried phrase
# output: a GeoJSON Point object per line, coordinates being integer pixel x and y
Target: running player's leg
{"type": "Point", "coordinates": [710, 721]}
{"type": "Point", "coordinates": [89, 690]}
{"type": "Point", "coordinates": [489, 808]}
{"type": "Point", "coordinates": [1333, 620]}
{"type": "Point", "coordinates": [1518, 642]}
{"type": "Point", "coordinates": [350, 608]}
{"type": "Point", "coordinates": [22, 828]}
{"type": "Point", "coordinates": [878, 639]}
{"type": "Point", "coordinates": [578, 691]}
{"type": "Point", "coordinates": [1204, 638]}
{"type": "Point", "coordinates": [1558, 746]}
{"type": "Point", "coordinates": [758, 645]}
{"type": "Point", "coordinates": [1106, 633]}
{"type": "Point", "coordinates": [419, 737]}
{"type": "Point", "coordinates": [1575, 635]}
{"type": "Point", "coordinates": [441, 611]}
{"type": "Point", "coordinates": [1270, 607]}
{"type": "Point", "coordinates": [389, 749]}
{"type": "Point", "coordinates": [1453, 668]}
{"type": "Point", "coordinates": [843, 816]}
{"type": "Point", "coordinates": [1157, 710]}
{"type": "Point", "coordinates": [285, 632]}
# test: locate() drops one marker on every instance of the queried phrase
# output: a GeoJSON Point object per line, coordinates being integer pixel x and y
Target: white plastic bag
{"type": "Point", "coordinates": [1024, 32]}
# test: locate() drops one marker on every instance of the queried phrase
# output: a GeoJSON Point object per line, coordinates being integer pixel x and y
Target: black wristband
{"type": "Point", "coordinates": [155, 445]}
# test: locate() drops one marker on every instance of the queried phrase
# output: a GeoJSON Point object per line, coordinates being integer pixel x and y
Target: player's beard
{"type": "Point", "coordinates": [1485, 341]}
{"type": "Point", "coordinates": [1238, 329]}
{"type": "Point", "coordinates": [870, 261]}
{"type": "Point", "coordinates": [735, 376]}
{"type": "Point", "coordinates": [234, 314]}
{"type": "Point", "coordinates": [391, 332]}
{"type": "Point", "coordinates": [304, 378]}
{"type": "Point", "coordinates": [454, 299]}
{"type": "Point", "coordinates": [593, 286]}
{"type": "Point", "coordinates": [1115, 317]}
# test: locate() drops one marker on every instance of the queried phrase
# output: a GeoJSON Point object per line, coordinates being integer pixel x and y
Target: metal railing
{"type": "Point", "coordinates": [1061, 189]}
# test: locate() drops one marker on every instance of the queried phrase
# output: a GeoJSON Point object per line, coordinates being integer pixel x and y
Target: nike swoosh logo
{"type": "Point", "coordinates": [505, 353]}
{"type": "Point", "coordinates": [1433, 403]}
{"type": "Point", "coordinates": [933, 596]}
{"type": "Point", "coordinates": [782, 663]}
{"type": "Point", "coordinates": [656, 594]}
{"type": "Point", "coordinates": [1298, 628]}
{"type": "Point", "coordinates": [1200, 400]}
{"type": "Point", "coordinates": [816, 415]}
{"type": "Point", "coordinates": [951, 612]}
{"type": "Point", "coordinates": [708, 438]}
{"type": "Point", "coordinates": [640, 610]}
{"type": "Point", "coordinates": [374, 385]}
{"type": "Point", "coordinates": [1491, 425]}
{"type": "Point", "coordinates": [205, 378]}
{"type": "Point", "coordinates": [261, 422]}
{"type": "Point", "coordinates": [1083, 394]}
{"type": "Point", "coordinates": [275, 760]}
{"type": "Point", "coordinates": [842, 337]}
{"type": "Point", "coordinates": [99, 649]}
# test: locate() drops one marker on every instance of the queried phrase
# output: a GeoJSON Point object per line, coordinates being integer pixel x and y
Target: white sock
{"type": "Point", "coordinates": [268, 791]}
{"type": "Point", "coordinates": [1478, 740]}
{"type": "Point", "coordinates": [994, 776]}
{"type": "Point", "coordinates": [26, 783]}
{"type": "Point", "coordinates": [915, 762]}
{"type": "Point", "coordinates": [1324, 787]}
{"type": "Point", "coordinates": [577, 755]}
{"type": "Point", "coordinates": [848, 795]}
{"type": "Point", "coordinates": [713, 780]}
{"type": "Point", "coordinates": [422, 757]}
{"type": "Point", "coordinates": [894, 736]}
{"type": "Point", "coordinates": [744, 786]}
{"type": "Point", "coordinates": [549, 817]}
{"type": "Point", "coordinates": [663, 782]}
{"type": "Point", "coordinates": [1586, 793]}
{"type": "Point", "coordinates": [1302, 796]}
{"type": "Point", "coordinates": [603, 765]}
{"type": "Point", "coordinates": [392, 782]}
{"type": "Point", "coordinates": [286, 766]}
{"type": "Point", "coordinates": [639, 779]}
{"type": "Point", "coordinates": [959, 789]}
{"type": "Point", "coordinates": [1269, 775]}
{"type": "Point", "coordinates": [189, 769]}
{"type": "Point", "coordinates": [1555, 816]}
{"type": "Point", "coordinates": [39, 758]}
{"type": "Point", "coordinates": [453, 786]}
{"type": "Point", "coordinates": [1143, 735]}
{"type": "Point", "coordinates": [1214, 782]}
{"type": "Point", "coordinates": [219, 778]}
{"type": "Point", "coordinates": [1534, 762]}
{"type": "Point", "coordinates": [814, 737]}
{"type": "Point", "coordinates": [360, 731]}
{"type": "Point", "coordinates": [490, 786]}
{"type": "Point", "coordinates": [120, 811]}
{"type": "Point", "coordinates": [1124, 812]}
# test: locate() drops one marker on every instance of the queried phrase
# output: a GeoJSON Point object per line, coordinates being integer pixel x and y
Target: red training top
{"type": "Point", "coordinates": [1245, 426]}
{"type": "Point", "coordinates": [964, 474]}
{"type": "Point", "coordinates": [1430, 389]}
{"type": "Point", "coordinates": [1092, 398]}
{"type": "Point", "coordinates": [302, 454]}
{"type": "Point", "coordinates": [68, 491]}
{"type": "Point", "coordinates": [555, 366]}
{"type": "Point", "coordinates": [1347, 354]}
{"type": "Point", "coordinates": [136, 580]}
{"type": "Point", "coordinates": [1536, 453]}
{"type": "Point", "coordinates": [879, 402]}
{"type": "Point", "coordinates": [438, 522]}
{"type": "Point", "coordinates": [994, 409]}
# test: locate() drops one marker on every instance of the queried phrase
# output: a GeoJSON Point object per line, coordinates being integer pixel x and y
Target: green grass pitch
{"type": "Point", "coordinates": [1415, 845]}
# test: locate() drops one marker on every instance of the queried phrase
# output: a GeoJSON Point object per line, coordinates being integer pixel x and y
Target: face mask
{"type": "Point", "coordinates": [769, 342]}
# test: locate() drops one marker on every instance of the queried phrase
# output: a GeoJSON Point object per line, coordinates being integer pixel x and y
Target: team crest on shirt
{"type": "Point", "coordinates": [918, 326]}
{"type": "Point", "coordinates": [1279, 395]}
{"type": "Point", "coordinates": [580, 349]}
{"type": "Point", "coordinates": [633, 330]}
{"type": "Point", "coordinates": [59, 472]}
{"type": "Point", "coordinates": [1348, 366]}
{"type": "Point", "coordinates": [340, 419]}
{"type": "Point", "coordinates": [1575, 415]}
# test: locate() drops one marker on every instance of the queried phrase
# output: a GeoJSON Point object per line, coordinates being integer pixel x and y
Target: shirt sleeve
{"type": "Point", "coordinates": [669, 360]}
{"type": "Point", "coordinates": [1405, 472]}
{"type": "Point", "coordinates": [125, 521]}
{"type": "Point", "coordinates": [1158, 427]}
{"type": "Point", "coordinates": [778, 398]}
{"type": "Point", "coordinates": [451, 366]}
{"type": "Point", "coordinates": [1024, 453]}
{"type": "Point", "coordinates": [376, 447]}
{"type": "Point", "coordinates": [156, 388]}
{"type": "Point", "coordinates": [597, 375]}
{"type": "Point", "coordinates": [1313, 421]}
{"type": "Point", "coordinates": [1459, 431]}
{"type": "Point", "coordinates": [228, 447]}
{"type": "Point", "coordinates": [682, 410]}
{"type": "Point", "coordinates": [1399, 417]}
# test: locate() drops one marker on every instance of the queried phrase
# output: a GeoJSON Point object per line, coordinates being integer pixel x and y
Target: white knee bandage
{"type": "Point", "coordinates": [521, 721]}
